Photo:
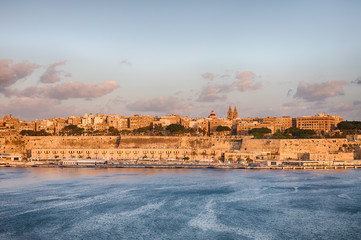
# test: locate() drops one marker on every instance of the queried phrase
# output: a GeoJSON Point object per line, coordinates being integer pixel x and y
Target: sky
{"type": "Point", "coordinates": [267, 58]}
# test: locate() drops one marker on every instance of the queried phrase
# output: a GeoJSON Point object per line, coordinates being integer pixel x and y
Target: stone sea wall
{"type": "Point", "coordinates": [24, 144]}
{"type": "Point", "coordinates": [263, 145]}
{"type": "Point", "coordinates": [291, 148]}
{"type": "Point", "coordinates": [283, 148]}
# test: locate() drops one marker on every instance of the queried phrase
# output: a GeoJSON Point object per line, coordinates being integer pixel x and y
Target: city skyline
{"type": "Point", "coordinates": [274, 58]}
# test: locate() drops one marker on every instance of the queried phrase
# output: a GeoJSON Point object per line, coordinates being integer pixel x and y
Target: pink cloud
{"type": "Point", "coordinates": [210, 93]}
{"type": "Point", "coordinates": [125, 62]}
{"type": "Point", "coordinates": [320, 91]}
{"type": "Point", "coordinates": [52, 75]}
{"type": "Point", "coordinates": [291, 104]}
{"type": "Point", "coordinates": [208, 76]}
{"type": "Point", "coordinates": [340, 108]}
{"type": "Point", "coordinates": [246, 81]}
{"type": "Point", "coordinates": [69, 90]}
{"type": "Point", "coordinates": [160, 104]}
{"type": "Point", "coordinates": [10, 73]}
{"type": "Point", "coordinates": [31, 108]}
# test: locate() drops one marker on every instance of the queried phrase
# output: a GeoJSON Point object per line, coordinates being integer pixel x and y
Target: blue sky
{"type": "Point", "coordinates": [268, 58]}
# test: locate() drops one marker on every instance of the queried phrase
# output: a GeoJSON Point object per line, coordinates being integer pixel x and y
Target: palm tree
{"type": "Point", "coordinates": [194, 153]}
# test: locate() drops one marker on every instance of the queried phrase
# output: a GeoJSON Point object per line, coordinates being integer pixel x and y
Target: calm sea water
{"type": "Point", "coordinates": [179, 204]}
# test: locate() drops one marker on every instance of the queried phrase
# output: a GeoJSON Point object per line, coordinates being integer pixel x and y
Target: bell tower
{"type": "Point", "coordinates": [230, 113]}
{"type": "Point", "coordinates": [235, 113]}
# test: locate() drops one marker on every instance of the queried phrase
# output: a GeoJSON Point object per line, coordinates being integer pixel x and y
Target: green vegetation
{"type": "Point", "coordinates": [97, 133]}
{"type": "Point", "coordinates": [141, 130]}
{"type": "Point", "coordinates": [202, 131]}
{"type": "Point", "coordinates": [72, 130]}
{"type": "Point", "coordinates": [300, 133]}
{"type": "Point", "coordinates": [280, 135]}
{"type": "Point", "coordinates": [222, 128]}
{"type": "Point", "coordinates": [349, 127]}
{"type": "Point", "coordinates": [176, 129]}
{"type": "Point", "coordinates": [259, 132]}
{"type": "Point", "coordinates": [158, 128]}
{"type": "Point", "coordinates": [112, 131]}
{"type": "Point", "coordinates": [34, 133]}
{"type": "Point", "coordinates": [335, 135]}
{"type": "Point", "coordinates": [125, 132]}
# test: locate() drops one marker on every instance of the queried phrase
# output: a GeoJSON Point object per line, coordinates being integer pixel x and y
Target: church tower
{"type": "Point", "coordinates": [235, 113]}
{"type": "Point", "coordinates": [230, 114]}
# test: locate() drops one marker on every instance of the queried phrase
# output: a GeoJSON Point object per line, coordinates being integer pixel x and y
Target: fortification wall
{"type": "Point", "coordinates": [285, 148]}
{"type": "Point", "coordinates": [264, 145]}
{"type": "Point", "coordinates": [291, 148]}
{"type": "Point", "coordinates": [24, 144]}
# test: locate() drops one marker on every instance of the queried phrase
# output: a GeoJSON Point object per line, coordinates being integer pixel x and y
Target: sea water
{"type": "Point", "coordinates": [89, 203]}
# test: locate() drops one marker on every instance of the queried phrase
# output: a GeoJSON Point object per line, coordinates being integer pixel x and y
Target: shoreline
{"type": "Point", "coordinates": [182, 166]}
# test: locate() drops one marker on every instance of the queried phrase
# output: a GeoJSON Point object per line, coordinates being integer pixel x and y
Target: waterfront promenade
{"type": "Point", "coordinates": [180, 165]}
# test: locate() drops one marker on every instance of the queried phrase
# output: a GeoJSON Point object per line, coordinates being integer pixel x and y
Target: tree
{"type": "Point", "coordinates": [202, 131]}
{"type": "Point", "coordinates": [260, 132]}
{"type": "Point", "coordinates": [34, 133]}
{"type": "Point", "coordinates": [222, 128]}
{"type": "Point", "coordinates": [73, 130]}
{"type": "Point", "coordinates": [300, 133]}
{"type": "Point", "coordinates": [176, 129]}
{"type": "Point", "coordinates": [141, 130]}
{"type": "Point", "coordinates": [158, 128]}
{"type": "Point", "coordinates": [112, 131]}
{"type": "Point", "coordinates": [280, 135]}
{"type": "Point", "coordinates": [125, 132]}
{"type": "Point", "coordinates": [194, 153]}
{"type": "Point", "coordinates": [191, 131]}
{"type": "Point", "coordinates": [349, 127]}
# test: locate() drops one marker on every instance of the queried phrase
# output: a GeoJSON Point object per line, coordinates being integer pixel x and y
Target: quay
{"type": "Point", "coordinates": [103, 164]}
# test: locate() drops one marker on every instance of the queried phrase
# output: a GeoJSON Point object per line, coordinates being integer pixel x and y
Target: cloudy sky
{"type": "Point", "coordinates": [268, 58]}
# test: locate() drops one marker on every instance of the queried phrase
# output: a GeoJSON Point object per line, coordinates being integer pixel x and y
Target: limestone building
{"type": "Point", "coordinates": [319, 122]}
